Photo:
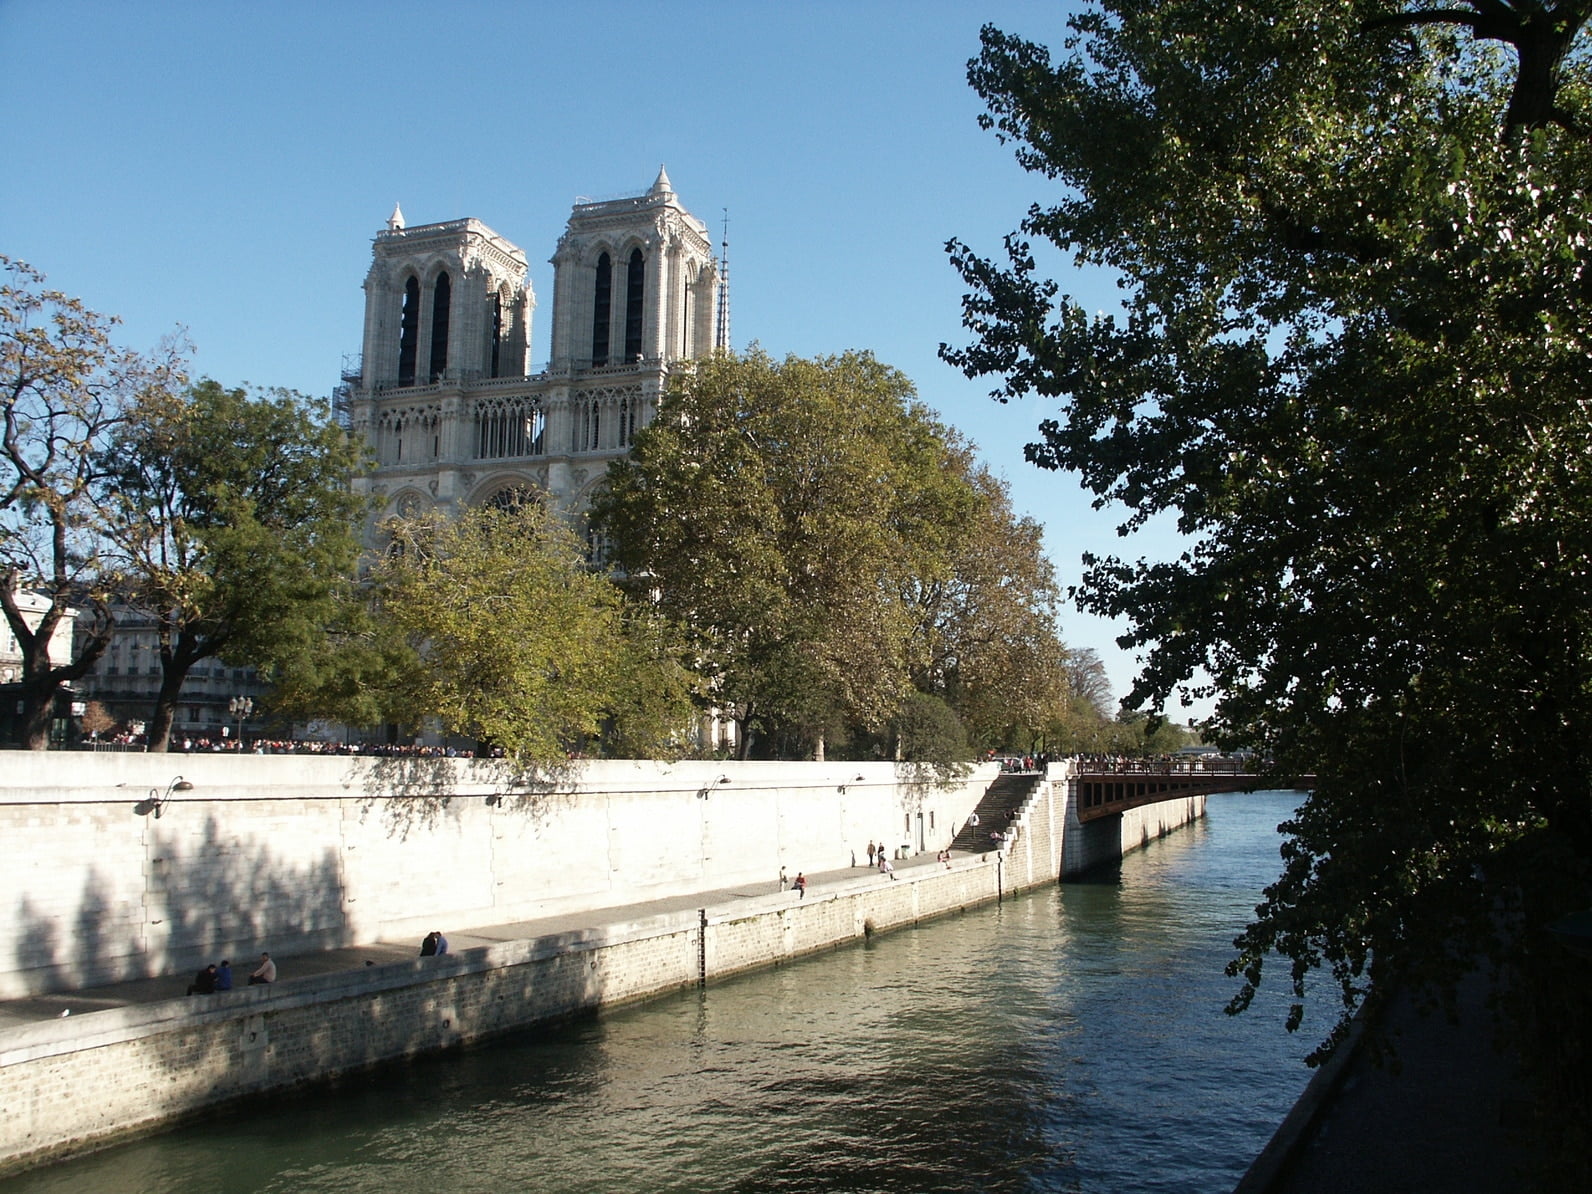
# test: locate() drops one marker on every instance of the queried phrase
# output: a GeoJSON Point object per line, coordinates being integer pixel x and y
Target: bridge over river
{"type": "Point", "coordinates": [1114, 786]}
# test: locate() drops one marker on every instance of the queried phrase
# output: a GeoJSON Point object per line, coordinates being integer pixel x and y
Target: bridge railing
{"type": "Point", "coordinates": [1166, 765]}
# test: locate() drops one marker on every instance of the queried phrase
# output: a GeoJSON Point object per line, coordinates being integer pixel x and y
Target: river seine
{"type": "Point", "coordinates": [1072, 1039]}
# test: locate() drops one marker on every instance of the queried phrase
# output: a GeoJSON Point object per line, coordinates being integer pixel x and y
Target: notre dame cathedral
{"type": "Point", "coordinates": [444, 392]}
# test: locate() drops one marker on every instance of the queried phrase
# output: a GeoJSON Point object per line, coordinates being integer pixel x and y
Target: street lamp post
{"type": "Point", "coordinates": [241, 707]}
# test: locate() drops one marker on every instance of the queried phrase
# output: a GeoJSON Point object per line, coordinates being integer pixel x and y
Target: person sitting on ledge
{"type": "Point", "coordinates": [428, 947]}
{"type": "Point", "coordinates": [266, 973]}
{"type": "Point", "coordinates": [442, 944]}
{"type": "Point", "coordinates": [800, 885]}
{"type": "Point", "coordinates": [224, 976]}
{"type": "Point", "coordinates": [204, 983]}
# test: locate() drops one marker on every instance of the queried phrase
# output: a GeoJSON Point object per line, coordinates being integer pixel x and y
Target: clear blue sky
{"type": "Point", "coordinates": [222, 167]}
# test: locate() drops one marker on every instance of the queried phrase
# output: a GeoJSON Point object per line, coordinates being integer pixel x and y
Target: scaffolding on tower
{"type": "Point", "coordinates": [721, 330]}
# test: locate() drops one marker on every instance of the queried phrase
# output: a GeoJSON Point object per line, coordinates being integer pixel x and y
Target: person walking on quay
{"type": "Point", "coordinates": [265, 973]}
{"type": "Point", "coordinates": [224, 976]}
{"type": "Point", "coordinates": [870, 851]}
{"type": "Point", "coordinates": [783, 882]}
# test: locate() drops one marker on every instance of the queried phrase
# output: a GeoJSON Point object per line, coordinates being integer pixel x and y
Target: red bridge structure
{"type": "Point", "coordinates": [1114, 786]}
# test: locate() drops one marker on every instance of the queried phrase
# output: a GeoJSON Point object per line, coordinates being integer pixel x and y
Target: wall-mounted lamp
{"type": "Point", "coordinates": [702, 793]}
{"type": "Point", "coordinates": [157, 800]}
{"type": "Point", "coordinates": [841, 788]}
{"type": "Point", "coordinates": [493, 800]}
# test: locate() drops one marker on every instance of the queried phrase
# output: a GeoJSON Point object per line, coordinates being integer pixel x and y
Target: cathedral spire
{"type": "Point", "coordinates": [395, 222]}
{"type": "Point", "coordinates": [721, 325]}
{"type": "Point", "coordinates": [662, 186]}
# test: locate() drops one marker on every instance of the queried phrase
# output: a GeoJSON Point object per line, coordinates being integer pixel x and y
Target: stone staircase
{"type": "Point", "coordinates": [1008, 793]}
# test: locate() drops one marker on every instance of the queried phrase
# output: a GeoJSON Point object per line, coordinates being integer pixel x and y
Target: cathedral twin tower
{"type": "Point", "coordinates": [445, 396]}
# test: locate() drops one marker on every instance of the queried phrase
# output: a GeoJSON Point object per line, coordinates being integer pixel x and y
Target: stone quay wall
{"type": "Point", "coordinates": [289, 853]}
{"type": "Point", "coordinates": [68, 1086]}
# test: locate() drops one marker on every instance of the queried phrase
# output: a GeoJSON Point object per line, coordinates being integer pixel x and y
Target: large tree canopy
{"type": "Point", "coordinates": [1353, 362]}
{"type": "Point", "coordinates": [234, 523]}
{"type": "Point", "coordinates": [515, 642]}
{"type": "Point", "coordinates": [831, 549]}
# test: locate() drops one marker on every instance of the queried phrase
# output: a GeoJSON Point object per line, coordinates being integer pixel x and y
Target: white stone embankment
{"type": "Point", "coordinates": [70, 1085]}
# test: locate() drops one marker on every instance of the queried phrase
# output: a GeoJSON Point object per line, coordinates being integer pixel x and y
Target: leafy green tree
{"type": "Point", "coordinates": [927, 730]}
{"type": "Point", "coordinates": [65, 389]}
{"type": "Point", "coordinates": [986, 640]}
{"type": "Point", "coordinates": [779, 510]}
{"type": "Point", "coordinates": [1353, 238]}
{"type": "Point", "coordinates": [235, 527]}
{"type": "Point", "coordinates": [514, 642]}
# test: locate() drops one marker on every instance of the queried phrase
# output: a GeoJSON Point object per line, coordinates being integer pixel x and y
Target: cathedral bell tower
{"type": "Point", "coordinates": [444, 302]}
{"type": "Point", "coordinates": [635, 282]}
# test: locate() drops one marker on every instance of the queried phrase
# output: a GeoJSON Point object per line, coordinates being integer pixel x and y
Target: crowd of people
{"type": "Point", "coordinates": [188, 744]}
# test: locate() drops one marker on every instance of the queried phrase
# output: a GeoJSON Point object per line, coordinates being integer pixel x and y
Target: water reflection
{"type": "Point", "coordinates": [1069, 1040]}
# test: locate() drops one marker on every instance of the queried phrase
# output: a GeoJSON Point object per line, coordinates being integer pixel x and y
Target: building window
{"type": "Point", "coordinates": [513, 499]}
{"type": "Point", "coordinates": [588, 426]}
{"type": "Point", "coordinates": [407, 436]}
{"type": "Point", "coordinates": [496, 313]}
{"type": "Point", "coordinates": [599, 549]}
{"type": "Point", "coordinates": [409, 332]}
{"type": "Point", "coordinates": [635, 286]}
{"type": "Point", "coordinates": [509, 427]}
{"type": "Point", "coordinates": [602, 303]}
{"type": "Point", "coordinates": [441, 303]}
{"type": "Point", "coordinates": [627, 422]}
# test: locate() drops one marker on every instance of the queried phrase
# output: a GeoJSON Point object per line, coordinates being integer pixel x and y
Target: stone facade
{"type": "Point", "coordinates": [444, 394]}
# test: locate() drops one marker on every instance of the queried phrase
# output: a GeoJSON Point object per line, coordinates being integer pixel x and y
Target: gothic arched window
{"type": "Point", "coordinates": [635, 286]}
{"type": "Point", "coordinates": [409, 332]}
{"type": "Point", "coordinates": [588, 424]}
{"type": "Point", "coordinates": [627, 422]}
{"type": "Point", "coordinates": [512, 499]}
{"type": "Point", "coordinates": [602, 302]}
{"type": "Point", "coordinates": [508, 427]}
{"type": "Point", "coordinates": [441, 301]}
{"type": "Point", "coordinates": [494, 311]}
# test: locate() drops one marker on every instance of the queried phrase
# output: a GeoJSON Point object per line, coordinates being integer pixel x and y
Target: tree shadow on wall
{"type": "Point", "coordinates": [205, 896]}
{"type": "Point", "coordinates": [917, 780]}
{"type": "Point", "coordinates": [414, 794]}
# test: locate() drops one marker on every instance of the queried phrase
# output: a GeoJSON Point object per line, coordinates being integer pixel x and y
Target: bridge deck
{"type": "Point", "coordinates": [1103, 793]}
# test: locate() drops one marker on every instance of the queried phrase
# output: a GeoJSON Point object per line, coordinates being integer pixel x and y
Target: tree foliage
{"type": "Point", "coordinates": [235, 526]}
{"type": "Point", "coordinates": [985, 638]}
{"type": "Point", "coordinates": [511, 640]}
{"type": "Point", "coordinates": [65, 388]}
{"type": "Point", "coordinates": [832, 550]}
{"type": "Point", "coordinates": [1353, 238]}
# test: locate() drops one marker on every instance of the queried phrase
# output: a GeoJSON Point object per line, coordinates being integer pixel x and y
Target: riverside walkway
{"type": "Point", "coordinates": [29, 1010]}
